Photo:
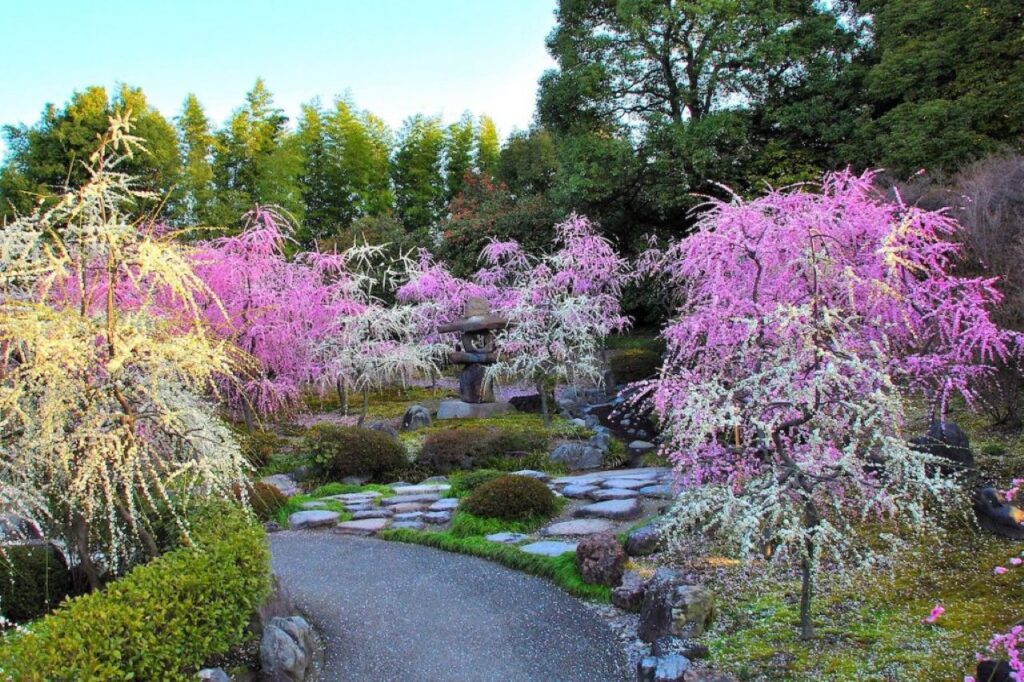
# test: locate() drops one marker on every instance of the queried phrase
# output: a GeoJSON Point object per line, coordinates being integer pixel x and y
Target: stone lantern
{"type": "Point", "coordinates": [478, 349]}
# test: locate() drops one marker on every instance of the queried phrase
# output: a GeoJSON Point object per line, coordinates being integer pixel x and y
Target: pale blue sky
{"type": "Point", "coordinates": [395, 57]}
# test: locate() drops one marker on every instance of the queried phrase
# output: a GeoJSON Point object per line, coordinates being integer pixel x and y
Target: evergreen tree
{"type": "Point", "coordinates": [417, 172]}
{"type": "Point", "coordinates": [458, 154]}
{"type": "Point", "coordinates": [195, 140]}
{"type": "Point", "coordinates": [488, 147]}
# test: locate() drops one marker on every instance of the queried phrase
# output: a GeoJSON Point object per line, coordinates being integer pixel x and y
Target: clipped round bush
{"type": "Point", "coordinates": [340, 451]}
{"type": "Point", "coordinates": [466, 482]}
{"type": "Point", "coordinates": [513, 498]}
{"type": "Point", "coordinates": [635, 364]}
{"type": "Point", "coordinates": [474, 446]}
{"type": "Point", "coordinates": [33, 580]}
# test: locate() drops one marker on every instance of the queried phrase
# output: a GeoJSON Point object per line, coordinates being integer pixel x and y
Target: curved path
{"type": "Point", "coordinates": [390, 611]}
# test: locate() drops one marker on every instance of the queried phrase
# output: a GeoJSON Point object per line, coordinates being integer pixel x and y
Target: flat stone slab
{"type": "Point", "coordinates": [421, 489]}
{"type": "Point", "coordinates": [602, 494]}
{"type": "Point", "coordinates": [408, 516]}
{"type": "Point", "coordinates": [549, 548]}
{"type": "Point", "coordinates": [662, 490]}
{"type": "Point", "coordinates": [456, 409]}
{"type": "Point", "coordinates": [313, 505]}
{"type": "Point", "coordinates": [354, 497]}
{"type": "Point", "coordinates": [424, 498]}
{"type": "Point", "coordinates": [612, 509]}
{"type": "Point", "coordinates": [437, 517]}
{"type": "Point", "coordinates": [627, 483]}
{"type": "Point", "coordinates": [373, 514]}
{"type": "Point", "coordinates": [582, 479]}
{"type": "Point", "coordinates": [304, 520]}
{"type": "Point", "coordinates": [578, 527]}
{"type": "Point", "coordinates": [445, 504]}
{"type": "Point", "coordinates": [408, 525]}
{"type": "Point", "coordinates": [578, 491]}
{"type": "Point", "coordinates": [362, 526]}
{"type": "Point", "coordinates": [407, 507]}
{"type": "Point", "coordinates": [359, 507]}
{"type": "Point", "coordinates": [506, 538]}
{"type": "Point", "coordinates": [642, 445]}
{"type": "Point", "coordinates": [532, 473]}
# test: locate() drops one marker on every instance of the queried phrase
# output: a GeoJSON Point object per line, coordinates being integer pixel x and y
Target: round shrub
{"type": "Point", "coordinates": [265, 499]}
{"type": "Point", "coordinates": [513, 498]}
{"type": "Point", "coordinates": [340, 451]}
{"type": "Point", "coordinates": [467, 482]}
{"type": "Point", "coordinates": [453, 449]}
{"type": "Point", "coordinates": [635, 364]}
{"type": "Point", "coordinates": [33, 580]}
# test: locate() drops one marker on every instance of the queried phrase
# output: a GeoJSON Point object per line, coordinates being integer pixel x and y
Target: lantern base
{"type": "Point", "coordinates": [458, 409]}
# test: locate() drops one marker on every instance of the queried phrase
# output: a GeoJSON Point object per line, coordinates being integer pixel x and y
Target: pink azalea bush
{"type": "Point", "coordinates": [804, 318]}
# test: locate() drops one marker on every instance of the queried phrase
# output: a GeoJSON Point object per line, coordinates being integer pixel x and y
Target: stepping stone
{"type": "Point", "coordinates": [437, 517]}
{"type": "Point", "coordinates": [652, 472]}
{"type": "Point", "coordinates": [641, 446]}
{"type": "Point", "coordinates": [532, 473]}
{"type": "Point", "coordinates": [612, 509]}
{"type": "Point", "coordinates": [313, 505]}
{"type": "Point", "coordinates": [549, 548]}
{"type": "Point", "coordinates": [362, 526]}
{"type": "Point", "coordinates": [506, 538]}
{"type": "Point", "coordinates": [408, 516]}
{"type": "Point", "coordinates": [405, 490]}
{"type": "Point", "coordinates": [445, 504]}
{"type": "Point", "coordinates": [304, 520]}
{"type": "Point", "coordinates": [407, 507]}
{"type": "Point", "coordinates": [583, 479]}
{"type": "Point", "coordinates": [602, 494]}
{"type": "Point", "coordinates": [662, 490]}
{"type": "Point", "coordinates": [578, 527]}
{"type": "Point", "coordinates": [407, 525]}
{"type": "Point", "coordinates": [577, 491]}
{"type": "Point", "coordinates": [358, 507]}
{"type": "Point", "coordinates": [627, 483]}
{"type": "Point", "coordinates": [353, 497]}
{"type": "Point", "coordinates": [410, 499]}
{"type": "Point", "coordinates": [372, 514]}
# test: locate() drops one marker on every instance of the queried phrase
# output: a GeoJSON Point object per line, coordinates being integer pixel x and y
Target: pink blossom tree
{"type": "Point", "coordinates": [560, 306]}
{"type": "Point", "coordinates": [805, 317]}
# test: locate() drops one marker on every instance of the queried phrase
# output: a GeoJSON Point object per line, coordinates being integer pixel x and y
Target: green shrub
{"type": "Point", "coordinates": [160, 621]}
{"type": "Point", "coordinates": [465, 482]}
{"type": "Point", "coordinates": [993, 449]}
{"type": "Point", "coordinates": [476, 446]}
{"type": "Point", "coordinates": [33, 580]}
{"type": "Point", "coordinates": [259, 446]}
{"type": "Point", "coordinates": [634, 364]}
{"type": "Point", "coordinates": [340, 451]}
{"type": "Point", "coordinates": [265, 500]}
{"type": "Point", "coordinates": [466, 525]}
{"type": "Point", "coordinates": [512, 498]}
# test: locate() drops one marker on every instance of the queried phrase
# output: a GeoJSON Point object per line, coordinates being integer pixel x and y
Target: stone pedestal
{"type": "Point", "coordinates": [458, 409]}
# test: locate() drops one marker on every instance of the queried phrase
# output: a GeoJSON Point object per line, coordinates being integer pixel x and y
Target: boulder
{"type": "Point", "coordinates": [643, 541]}
{"type": "Point", "coordinates": [527, 403]}
{"type": "Point", "coordinates": [286, 649]}
{"type": "Point", "coordinates": [457, 409]}
{"type": "Point", "coordinates": [629, 595]}
{"type": "Point", "coordinates": [997, 515]}
{"type": "Point", "coordinates": [384, 427]}
{"type": "Point", "coordinates": [665, 668]}
{"type": "Point", "coordinates": [672, 607]}
{"type": "Point", "coordinates": [948, 441]}
{"type": "Point", "coordinates": [284, 483]}
{"type": "Point", "coordinates": [600, 559]}
{"type": "Point", "coordinates": [577, 456]}
{"type": "Point", "coordinates": [416, 417]}
{"type": "Point", "coordinates": [994, 671]}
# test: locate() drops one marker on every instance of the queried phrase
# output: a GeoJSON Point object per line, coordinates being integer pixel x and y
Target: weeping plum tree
{"type": "Point", "coordinates": [104, 362]}
{"type": "Point", "coordinates": [561, 306]}
{"type": "Point", "coordinates": [805, 316]}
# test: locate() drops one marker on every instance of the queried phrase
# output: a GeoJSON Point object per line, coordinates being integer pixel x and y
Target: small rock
{"type": "Point", "coordinates": [437, 517]}
{"type": "Point", "coordinates": [612, 509]}
{"type": "Point", "coordinates": [408, 525]}
{"type": "Point", "coordinates": [579, 422]}
{"type": "Point", "coordinates": [578, 527]}
{"type": "Point", "coordinates": [696, 652]}
{"type": "Point", "coordinates": [643, 541]}
{"type": "Point", "coordinates": [641, 446]}
{"type": "Point", "coordinates": [667, 668]}
{"type": "Point", "coordinates": [285, 484]}
{"type": "Point", "coordinates": [373, 514]}
{"type": "Point", "coordinates": [629, 595]}
{"type": "Point", "coordinates": [532, 473]}
{"type": "Point", "coordinates": [305, 520]}
{"type": "Point", "coordinates": [445, 504]}
{"type": "Point", "coordinates": [506, 538]}
{"type": "Point", "coordinates": [272, 527]}
{"type": "Point", "coordinates": [416, 417]}
{"type": "Point", "coordinates": [356, 480]}
{"type": "Point", "coordinates": [286, 649]}
{"type": "Point", "coordinates": [600, 559]}
{"type": "Point", "coordinates": [213, 675]}
{"type": "Point", "coordinates": [549, 548]}
{"type": "Point", "coordinates": [384, 427]}
{"type": "Point", "coordinates": [577, 456]}
{"type": "Point", "coordinates": [362, 526]}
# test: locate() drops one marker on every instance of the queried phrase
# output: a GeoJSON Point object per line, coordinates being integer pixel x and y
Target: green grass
{"type": "Point", "coordinates": [465, 525]}
{"type": "Point", "coordinates": [641, 340]}
{"type": "Point", "coordinates": [385, 404]}
{"type": "Point", "coordinates": [347, 489]}
{"type": "Point", "coordinates": [294, 504]}
{"type": "Point", "coordinates": [560, 570]}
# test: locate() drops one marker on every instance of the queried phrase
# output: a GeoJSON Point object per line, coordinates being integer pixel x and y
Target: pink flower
{"type": "Point", "coordinates": [937, 611]}
{"type": "Point", "coordinates": [968, 678]}
{"type": "Point", "coordinates": [999, 570]}
{"type": "Point", "coordinates": [1016, 561]}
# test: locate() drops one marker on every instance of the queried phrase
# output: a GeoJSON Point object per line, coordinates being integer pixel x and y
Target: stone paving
{"type": "Point", "coordinates": [599, 502]}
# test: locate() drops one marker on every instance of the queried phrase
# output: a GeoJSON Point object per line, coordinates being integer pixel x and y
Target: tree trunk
{"type": "Point", "coordinates": [543, 402]}
{"type": "Point", "coordinates": [339, 386]}
{"type": "Point", "coordinates": [80, 541]}
{"type": "Point", "coordinates": [250, 425]}
{"type": "Point", "coordinates": [811, 520]}
{"type": "Point", "coordinates": [366, 406]}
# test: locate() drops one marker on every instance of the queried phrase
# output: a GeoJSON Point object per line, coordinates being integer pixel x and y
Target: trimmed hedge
{"type": "Point", "coordinates": [635, 364]}
{"type": "Point", "coordinates": [160, 621]}
{"type": "Point", "coordinates": [465, 482]}
{"type": "Point", "coordinates": [340, 451]}
{"type": "Point", "coordinates": [33, 580]}
{"type": "Point", "coordinates": [476, 446]}
{"type": "Point", "coordinates": [512, 498]}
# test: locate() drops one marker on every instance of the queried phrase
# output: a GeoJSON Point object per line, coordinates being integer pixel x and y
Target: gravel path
{"type": "Point", "coordinates": [389, 611]}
